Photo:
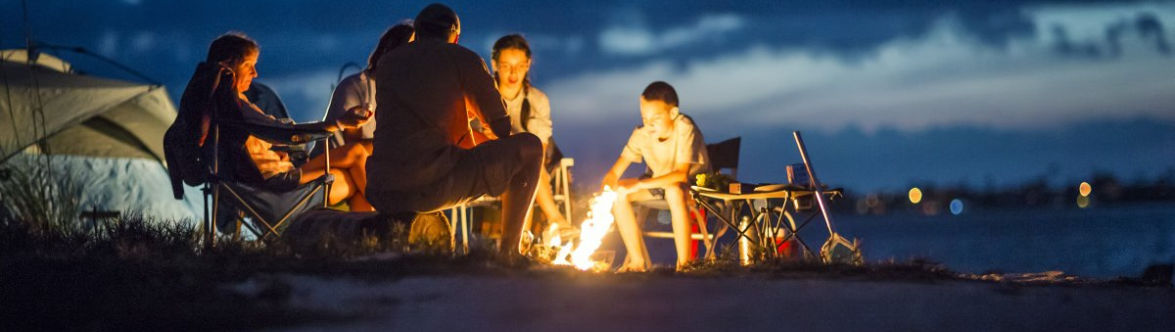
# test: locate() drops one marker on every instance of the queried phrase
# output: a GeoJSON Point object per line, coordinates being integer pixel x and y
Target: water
{"type": "Point", "coordinates": [1095, 242]}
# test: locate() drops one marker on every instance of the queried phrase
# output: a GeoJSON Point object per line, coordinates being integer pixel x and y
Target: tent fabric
{"type": "Point", "coordinates": [105, 135]}
{"type": "Point", "coordinates": [132, 116]}
{"type": "Point", "coordinates": [131, 186]}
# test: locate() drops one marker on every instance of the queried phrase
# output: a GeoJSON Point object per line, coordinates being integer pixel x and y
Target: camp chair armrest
{"type": "Point", "coordinates": [289, 147]}
{"type": "Point", "coordinates": [281, 134]}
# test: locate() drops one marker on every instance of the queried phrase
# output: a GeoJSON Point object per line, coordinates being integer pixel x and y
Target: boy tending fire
{"type": "Point", "coordinates": [673, 149]}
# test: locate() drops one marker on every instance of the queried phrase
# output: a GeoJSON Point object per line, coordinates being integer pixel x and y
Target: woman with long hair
{"type": "Point", "coordinates": [528, 107]}
{"type": "Point", "coordinates": [274, 169]}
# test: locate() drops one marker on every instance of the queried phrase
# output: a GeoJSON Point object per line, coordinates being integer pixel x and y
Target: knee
{"type": "Point", "coordinates": [676, 196]}
{"type": "Point", "coordinates": [674, 192]}
{"type": "Point", "coordinates": [622, 201]}
{"type": "Point", "coordinates": [531, 146]}
{"type": "Point", "coordinates": [357, 151]}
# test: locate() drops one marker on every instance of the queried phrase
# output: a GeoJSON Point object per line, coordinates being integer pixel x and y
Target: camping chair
{"type": "Point", "coordinates": [723, 155]}
{"type": "Point", "coordinates": [193, 152]}
{"type": "Point", "coordinates": [268, 209]}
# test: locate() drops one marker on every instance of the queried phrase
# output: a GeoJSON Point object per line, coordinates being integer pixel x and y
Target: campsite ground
{"type": "Point", "coordinates": [222, 291]}
{"type": "Point", "coordinates": [560, 301]}
{"type": "Point", "coordinates": [135, 275]}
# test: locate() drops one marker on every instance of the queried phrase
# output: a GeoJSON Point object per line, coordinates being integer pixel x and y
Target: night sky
{"type": "Point", "coordinates": [888, 93]}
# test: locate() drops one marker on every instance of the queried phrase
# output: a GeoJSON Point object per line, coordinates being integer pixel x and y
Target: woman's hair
{"type": "Point", "coordinates": [231, 47]}
{"type": "Point", "coordinates": [517, 42]}
{"type": "Point", "coordinates": [394, 37]}
{"type": "Point", "coordinates": [511, 41]}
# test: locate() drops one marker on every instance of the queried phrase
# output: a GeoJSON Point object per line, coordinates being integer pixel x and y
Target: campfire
{"type": "Point", "coordinates": [591, 233]}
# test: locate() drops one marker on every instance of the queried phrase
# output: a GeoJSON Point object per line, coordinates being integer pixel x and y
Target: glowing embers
{"type": "Point", "coordinates": [915, 195]}
{"type": "Point", "coordinates": [591, 234]}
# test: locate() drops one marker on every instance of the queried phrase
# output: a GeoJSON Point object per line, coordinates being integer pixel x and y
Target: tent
{"type": "Point", "coordinates": [107, 135]}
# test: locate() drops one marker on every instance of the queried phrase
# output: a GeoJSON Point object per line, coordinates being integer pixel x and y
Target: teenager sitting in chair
{"type": "Point", "coordinates": [529, 109]}
{"type": "Point", "coordinates": [273, 169]}
{"type": "Point", "coordinates": [672, 147]}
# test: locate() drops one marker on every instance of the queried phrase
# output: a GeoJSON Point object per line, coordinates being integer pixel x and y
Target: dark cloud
{"type": "Point", "coordinates": [164, 39]}
{"type": "Point", "coordinates": [1146, 27]}
{"type": "Point", "coordinates": [1150, 28]}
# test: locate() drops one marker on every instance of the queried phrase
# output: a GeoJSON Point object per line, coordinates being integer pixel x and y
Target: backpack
{"type": "Point", "coordinates": [183, 143]}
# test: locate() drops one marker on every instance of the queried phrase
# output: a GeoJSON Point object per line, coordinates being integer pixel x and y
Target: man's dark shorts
{"type": "Point", "coordinates": [484, 170]}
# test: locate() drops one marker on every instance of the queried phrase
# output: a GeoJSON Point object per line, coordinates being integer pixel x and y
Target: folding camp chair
{"type": "Point", "coordinates": [268, 210]}
{"type": "Point", "coordinates": [194, 153]}
{"type": "Point", "coordinates": [723, 155]}
{"type": "Point", "coordinates": [768, 218]}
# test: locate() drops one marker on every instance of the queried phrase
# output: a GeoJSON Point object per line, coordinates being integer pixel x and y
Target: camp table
{"type": "Point", "coordinates": [782, 205]}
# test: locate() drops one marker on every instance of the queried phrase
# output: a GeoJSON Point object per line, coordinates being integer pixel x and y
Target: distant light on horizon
{"type": "Point", "coordinates": [915, 195]}
{"type": "Point", "coordinates": [956, 206]}
{"type": "Point", "coordinates": [1084, 189]}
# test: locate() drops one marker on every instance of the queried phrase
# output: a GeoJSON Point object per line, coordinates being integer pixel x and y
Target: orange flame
{"type": "Point", "coordinates": [599, 222]}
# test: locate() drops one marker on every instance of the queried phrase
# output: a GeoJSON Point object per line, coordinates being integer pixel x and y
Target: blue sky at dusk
{"type": "Point", "coordinates": [888, 93]}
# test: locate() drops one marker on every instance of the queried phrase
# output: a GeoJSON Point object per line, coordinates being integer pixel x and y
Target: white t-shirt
{"type": "Point", "coordinates": [685, 145]}
{"type": "Point", "coordinates": [355, 90]}
{"type": "Point", "coordinates": [539, 122]}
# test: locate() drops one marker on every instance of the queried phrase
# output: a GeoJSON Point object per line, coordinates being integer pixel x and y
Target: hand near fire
{"type": "Point", "coordinates": [627, 186]}
{"type": "Point", "coordinates": [623, 186]}
{"type": "Point", "coordinates": [610, 182]}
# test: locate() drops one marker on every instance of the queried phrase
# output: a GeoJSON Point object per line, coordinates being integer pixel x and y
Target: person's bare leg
{"type": "Point", "coordinates": [366, 145]}
{"type": "Point", "coordinates": [358, 173]}
{"type": "Point", "coordinates": [519, 195]}
{"type": "Point", "coordinates": [359, 203]}
{"type": "Point", "coordinates": [342, 188]}
{"type": "Point", "coordinates": [630, 233]}
{"type": "Point", "coordinates": [546, 199]}
{"type": "Point", "coordinates": [681, 224]}
{"type": "Point", "coordinates": [346, 156]}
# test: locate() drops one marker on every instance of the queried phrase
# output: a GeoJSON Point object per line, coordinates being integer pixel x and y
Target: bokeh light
{"type": "Point", "coordinates": [1082, 201]}
{"type": "Point", "coordinates": [915, 195]}
{"type": "Point", "coordinates": [956, 206]}
{"type": "Point", "coordinates": [1084, 189]}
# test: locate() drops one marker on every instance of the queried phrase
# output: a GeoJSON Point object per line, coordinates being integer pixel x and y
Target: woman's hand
{"type": "Point", "coordinates": [355, 117]}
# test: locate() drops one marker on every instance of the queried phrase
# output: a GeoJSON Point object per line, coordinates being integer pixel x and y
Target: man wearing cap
{"type": "Point", "coordinates": [424, 157]}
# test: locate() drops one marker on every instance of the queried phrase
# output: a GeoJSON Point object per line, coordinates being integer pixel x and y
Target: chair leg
{"type": "Point", "coordinates": [465, 221]}
{"type": "Point", "coordinates": [215, 214]}
{"type": "Point", "coordinates": [565, 187]}
{"type": "Point", "coordinates": [456, 217]}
